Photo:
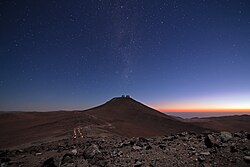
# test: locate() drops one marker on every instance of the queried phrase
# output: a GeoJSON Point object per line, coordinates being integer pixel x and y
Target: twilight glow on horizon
{"type": "Point", "coordinates": [233, 103]}
{"type": "Point", "coordinates": [176, 56]}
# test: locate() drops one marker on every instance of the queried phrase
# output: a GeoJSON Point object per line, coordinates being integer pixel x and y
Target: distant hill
{"type": "Point", "coordinates": [233, 123]}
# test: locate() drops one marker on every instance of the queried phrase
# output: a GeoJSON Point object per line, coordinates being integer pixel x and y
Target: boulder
{"type": "Point", "coordinates": [211, 141]}
{"type": "Point", "coordinates": [225, 136]}
{"type": "Point", "coordinates": [49, 163]}
{"type": "Point", "coordinates": [91, 151]}
{"type": "Point", "coordinates": [67, 161]}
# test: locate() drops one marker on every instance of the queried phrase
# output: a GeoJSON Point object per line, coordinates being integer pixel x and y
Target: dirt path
{"type": "Point", "coordinates": [79, 132]}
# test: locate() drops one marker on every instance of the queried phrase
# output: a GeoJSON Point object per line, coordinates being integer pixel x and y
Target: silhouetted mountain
{"type": "Point", "coordinates": [132, 118]}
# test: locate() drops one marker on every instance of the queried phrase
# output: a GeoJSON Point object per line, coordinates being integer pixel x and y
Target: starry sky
{"type": "Point", "coordinates": [169, 54]}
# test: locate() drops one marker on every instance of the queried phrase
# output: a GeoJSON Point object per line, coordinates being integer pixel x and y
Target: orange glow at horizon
{"type": "Point", "coordinates": [226, 103]}
{"type": "Point", "coordinates": [204, 110]}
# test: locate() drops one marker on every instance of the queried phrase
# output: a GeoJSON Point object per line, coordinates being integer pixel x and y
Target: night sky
{"type": "Point", "coordinates": [172, 54]}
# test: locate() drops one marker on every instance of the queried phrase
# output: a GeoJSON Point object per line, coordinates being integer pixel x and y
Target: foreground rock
{"type": "Point", "coordinates": [225, 136]}
{"type": "Point", "coordinates": [184, 149]}
{"type": "Point", "coordinates": [50, 163]}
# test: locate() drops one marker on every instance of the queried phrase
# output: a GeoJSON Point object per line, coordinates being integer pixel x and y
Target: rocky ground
{"type": "Point", "coordinates": [184, 149]}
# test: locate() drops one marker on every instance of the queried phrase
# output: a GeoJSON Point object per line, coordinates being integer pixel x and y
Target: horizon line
{"type": "Point", "coordinates": [205, 110]}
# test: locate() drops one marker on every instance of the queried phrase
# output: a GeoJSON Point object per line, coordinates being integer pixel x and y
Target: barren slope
{"type": "Point", "coordinates": [131, 118]}
{"type": "Point", "coordinates": [226, 123]}
{"type": "Point", "coordinates": [23, 127]}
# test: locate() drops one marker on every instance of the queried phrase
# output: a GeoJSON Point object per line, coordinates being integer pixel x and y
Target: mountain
{"type": "Point", "coordinates": [132, 118]}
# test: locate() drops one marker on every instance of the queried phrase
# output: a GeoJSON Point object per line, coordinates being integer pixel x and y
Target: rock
{"type": "Point", "coordinates": [247, 153]}
{"type": "Point", "coordinates": [201, 159]}
{"type": "Point", "coordinates": [37, 154]}
{"type": "Point", "coordinates": [175, 137]}
{"type": "Point", "coordinates": [5, 162]}
{"type": "Point", "coordinates": [3, 153]}
{"type": "Point", "coordinates": [192, 148]}
{"type": "Point", "coordinates": [248, 136]}
{"type": "Point", "coordinates": [209, 141]}
{"type": "Point", "coordinates": [100, 163]}
{"type": "Point", "coordinates": [91, 151]}
{"type": "Point", "coordinates": [184, 138]}
{"type": "Point", "coordinates": [192, 133]}
{"type": "Point", "coordinates": [120, 153]}
{"type": "Point", "coordinates": [205, 153]}
{"type": "Point", "coordinates": [206, 165]}
{"type": "Point", "coordinates": [233, 149]}
{"type": "Point", "coordinates": [95, 157]}
{"type": "Point", "coordinates": [113, 154]}
{"type": "Point", "coordinates": [225, 136]}
{"type": "Point", "coordinates": [138, 164]}
{"type": "Point", "coordinates": [237, 135]}
{"type": "Point", "coordinates": [126, 143]}
{"type": "Point", "coordinates": [148, 147]}
{"type": "Point", "coordinates": [168, 138]}
{"type": "Point", "coordinates": [139, 142]}
{"type": "Point", "coordinates": [212, 141]}
{"type": "Point", "coordinates": [162, 146]}
{"type": "Point", "coordinates": [19, 151]}
{"type": "Point", "coordinates": [183, 134]}
{"type": "Point", "coordinates": [74, 151]}
{"type": "Point", "coordinates": [23, 156]}
{"type": "Point", "coordinates": [233, 160]}
{"type": "Point", "coordinates": [135, 147]}
{"type": "Point", "coordinates": [132, 141]}
{"type": "Point", "coordinates": [67, 161]}
{"type": "Point", "coordinates": [142, 139]}
{"type": "Point", "coordinates": [247, 159]}
{"type": "Point", "coordinates": [49, 163]}
{"type": "Point", "coordinates": [97, 160]}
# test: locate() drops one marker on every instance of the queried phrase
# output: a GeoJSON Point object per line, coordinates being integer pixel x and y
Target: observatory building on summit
{"type": "Point", "coordinates": [126, 96]}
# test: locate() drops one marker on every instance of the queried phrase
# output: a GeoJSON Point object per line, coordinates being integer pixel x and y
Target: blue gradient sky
{"type": "Point", "coordinates": [167, 54]}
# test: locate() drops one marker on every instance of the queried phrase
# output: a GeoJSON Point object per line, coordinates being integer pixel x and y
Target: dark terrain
{"type": "Point", "coordinates": [122, 132]}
